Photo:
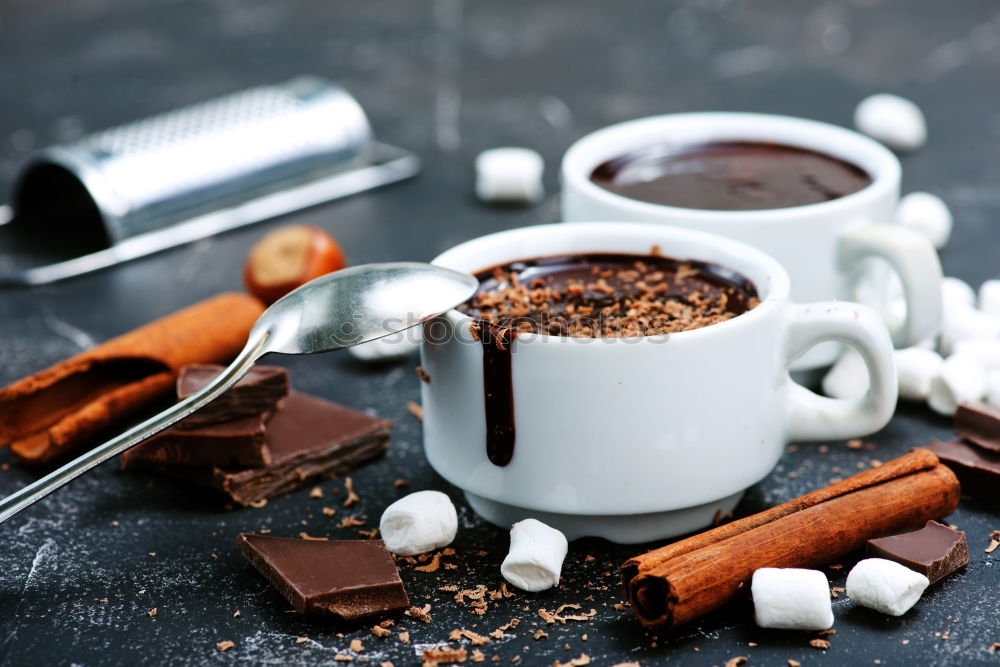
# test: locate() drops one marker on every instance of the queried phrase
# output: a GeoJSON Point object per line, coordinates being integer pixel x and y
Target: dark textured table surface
{"type": "Point", "coordinates": [448, 79]}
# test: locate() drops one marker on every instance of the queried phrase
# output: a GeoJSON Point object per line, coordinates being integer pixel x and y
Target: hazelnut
{"type": "Point", "coordinates": [290, 257]}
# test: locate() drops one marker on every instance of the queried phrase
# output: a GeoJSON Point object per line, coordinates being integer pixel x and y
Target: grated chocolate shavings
{"type": "Point", "coordinates": [461, 633]}
{"type": "Point", "coordinates": [444, 655]}
{"type": "Point", "coordinates": [351, 496]}
{"type": "Point", "coordinates": [432, 566]}
{"type": "Point", "coordinates": [350, 521]}
{"type": "Point", "coordinates": [421, 614]}
{"type": "Point", "coordinates": [606, 297]}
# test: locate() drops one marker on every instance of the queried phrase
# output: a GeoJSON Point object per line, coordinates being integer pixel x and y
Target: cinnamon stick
{"type": "Point", "coordinates": [677, 583]}
{"type": "Point", "coordinates": [46, 415]}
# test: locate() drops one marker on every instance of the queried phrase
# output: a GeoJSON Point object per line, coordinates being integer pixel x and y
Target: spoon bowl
{"type": "Point", "coordinates": [359, 304]}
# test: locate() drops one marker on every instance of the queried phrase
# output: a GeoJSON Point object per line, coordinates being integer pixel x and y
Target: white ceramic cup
{"type": "Point", "coordinates": [827, 247]}
{"type": "Point", "coordinates": [642, 438]}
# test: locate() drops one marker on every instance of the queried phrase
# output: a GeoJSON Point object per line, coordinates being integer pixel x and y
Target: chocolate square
{"type": "Point", "coordinates": [346, 579]}
{"type": "Point", "coordinates": [934, 551]}
{"type": "Point", "coordinates": [259, 391]}
{"type": "Point", "coordinates": [307, 438]}
{"type": "Point", "coordinates": [242, 443]}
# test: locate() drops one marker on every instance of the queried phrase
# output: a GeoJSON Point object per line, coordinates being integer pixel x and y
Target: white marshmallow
{"type": "Point", "coordinates": [957, 292]}
{"type": "Point", "coordinates": [418, 523]}
{"type": "Point", "coordinates": [791, 599]}
{"type": "Point", "coordinates": [959, 380]}
{"type": "Point", "coordinates": [511, 175]}
{"type": "Point", "coordinates": [963, 323]}
{"type": "Point", "coordinates": [915, 368]}
{"type": "Point", "coordinates": [895, 121]}
{"type": "Point", "coordinates": [927, 215]}
{"type": "Point", "coordinates": [395, 346]}
{"type": "Point", "coordinates": [986, 351]}
{"type": "Point", "coordinates": [885, 586]}
{"type": "Point", "coordinates": [989, 297]}
{"type": "Point", "coordinates": [993, 388]}
{"type": "Point", "coordinates": [536, 555]}
{"type": "Point", "coordinates": [848, 378]}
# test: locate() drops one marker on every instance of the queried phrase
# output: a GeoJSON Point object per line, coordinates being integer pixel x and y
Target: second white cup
{"type": "Point", "coordinates": [827, 248]}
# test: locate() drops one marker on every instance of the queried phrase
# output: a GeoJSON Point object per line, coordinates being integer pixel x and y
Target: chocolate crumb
{"type": "Point", "coordinates": [317, 492]}
{"type": "Point", "coordinates": [306, 536]}
{"type": "Point", "coordinates": [301, 640]}
{"type": "Point", "coordinates": [421, 614]}
{"type": "Point", "coordinates": [737, 661]}
{"type": "Point", "coordinates": [329, 511]}
{"type": "Point", "coordinates": [794, 663]}
{"type": "Point", "coordinates": [103, 600]}
{"type": "Point", "coordinates": [400, 483]}
{"type": "Point", "coordinates": [444, 655]}
{"type": "Point", "coordinates": [350, 521]}
{"type": "Point", "coordinates": [222, 647]}
{"type": "Point", "coordinates": [260, 502]}
{"type": "Point", "coordinates": [415, 409]}
{"type": "Point", "coordinates": [152, 612]}
{"type": "Point", "coordinates": [994, 541]}
{"type": "Point", "coordinates": [580, 661]}
{"type": "Point", "coordinates": [237, 614]}
{"type": "Point", "coordinates": [540, 634]}
{"type": "Point", "coordinates": [994, 647]}
{"type": "Point", "coordinates": [432, 566]}
{"type": "Point", "coordinates": [461, 633]}
{"type": "Point", "coordinates": [821, 644]}
{"type": "Point", "coordinates": [422, 374]}
{"type": "Point", "coordinates": [352, 497]}
{"type": "Point", "coordinates": [342, 657]}
{"type": "Point", "coordinates": [357, 646]}
{"type": "Point", "coordinates": [380, 632]}
{"type": "Point", "coordinates": [477, 656]}
{"type": "Point", "coordinates": [404, 637]}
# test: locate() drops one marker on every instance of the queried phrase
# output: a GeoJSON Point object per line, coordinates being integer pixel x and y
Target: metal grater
{"type": "Point", "coordinates": [204, 169]}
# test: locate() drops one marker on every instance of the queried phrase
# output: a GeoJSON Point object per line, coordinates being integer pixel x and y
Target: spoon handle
{"type": "Point", "coordinates": [40, 488]}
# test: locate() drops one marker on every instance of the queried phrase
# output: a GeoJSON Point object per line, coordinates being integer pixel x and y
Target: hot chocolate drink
{"type": "Point", "coordinates": [589, 296]}
{"type": "Point", "coordinates": [608, 295]}
{"type": "Point", "coordinates": [730, 176]}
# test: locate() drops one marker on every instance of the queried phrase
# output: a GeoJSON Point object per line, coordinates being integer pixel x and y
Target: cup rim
{"type": "Point", "coordinates": [878, 161]}
{"type": "Point", "coordinates": [776, 277]}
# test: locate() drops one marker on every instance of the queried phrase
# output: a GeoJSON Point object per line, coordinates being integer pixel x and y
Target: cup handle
{"type": "Point", "coordinates": [916, 262]}
{"type": "Point", "coordinates": [814, 417]}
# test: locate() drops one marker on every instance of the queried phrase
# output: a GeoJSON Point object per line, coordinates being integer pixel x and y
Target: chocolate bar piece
{"type": "Point", "coordinates": [979, 424]}
{"type": "Point", "coordinates": [934, 551]}
{"type": "Point", "coordinates": [977, 469]}
{"type": "Point", "coordinates": [259, 391]}
{"type": "Point", "coordinates": [238, 443]}
{"type": "Point", "coordinates": [347, 579]}
{"type": "Point", "coordinates": [308, 438]}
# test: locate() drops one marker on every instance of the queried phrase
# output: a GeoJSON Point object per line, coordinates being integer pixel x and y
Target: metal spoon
{"type": "Point", "coordinates": [338, 310]}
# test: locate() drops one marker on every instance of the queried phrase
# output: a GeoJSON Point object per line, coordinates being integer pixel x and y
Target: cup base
{"type": "Point", "coordinates": [618, 528]}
